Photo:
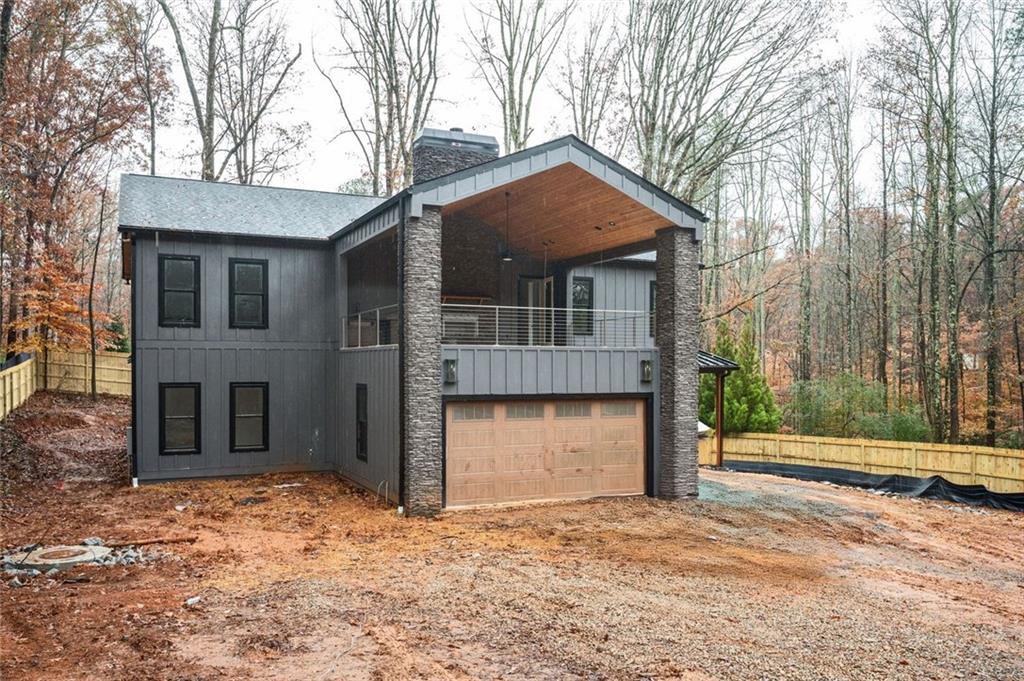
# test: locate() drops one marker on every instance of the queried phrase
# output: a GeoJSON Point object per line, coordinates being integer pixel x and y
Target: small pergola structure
{"type": "Point", "coordinates": [720, 367]}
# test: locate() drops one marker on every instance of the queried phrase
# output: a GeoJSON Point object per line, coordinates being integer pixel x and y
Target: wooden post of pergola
{"type": "Point", "coordinates": [720, 367]}
{"type": "Point", "coordinates": [719, 415]}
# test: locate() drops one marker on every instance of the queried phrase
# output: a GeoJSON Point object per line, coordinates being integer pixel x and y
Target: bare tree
{"type": "Point", "coordinates": [240, 77]}
{"type": "Point", "coordinates": [709, 79]}
{"type": "Point", "coordinates": [92, 277]}
{"type": "Point", "coordinates": [799, 153]}
{"type": "Point", "coordinates": [203, 110]}
{"type": "Point", "coordinates": [139, 25]}
{"type": "Point", "coordinates": [590, 77]}
{"type": "Point", "coordinates": [512, 43]}
{"type": "Point", "coordinates": [6, 12]}
{"type": "Point", "coordinates": [995, 143]}
{"type": "Point", "coordinates": [253, 63]}
{"type": "Point", "coordinates": [842, 99]}
{"type": "Point", "coordinates": [390, 49]}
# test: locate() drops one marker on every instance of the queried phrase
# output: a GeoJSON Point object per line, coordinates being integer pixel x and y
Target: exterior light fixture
{"type": "Point", "coordinates": [646, 371]}
{"type": "Point", "coordinates": [451, 373]}
{"type": "Point", "coordinates": [507, 255]}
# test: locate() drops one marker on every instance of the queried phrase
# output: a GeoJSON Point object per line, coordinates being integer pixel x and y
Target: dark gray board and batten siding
{"type": "Point", "coordinates": [618, 286]}
{"type": "Point", "coordinates": [377, 368]}
{"type": "Point", "coordinates": [295, 355]}
{"type": "Point", "coordinates": [514, 370]}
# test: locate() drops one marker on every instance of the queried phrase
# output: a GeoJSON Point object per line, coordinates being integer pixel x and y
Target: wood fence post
{"type": "Point", "coordinates": [974, 467]}
{"type": "Point", "coordinates": [913, 461]}
{"type": "Point", "coordinates": [863, 467]}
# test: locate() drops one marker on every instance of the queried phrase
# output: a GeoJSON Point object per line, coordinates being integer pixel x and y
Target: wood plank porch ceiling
{"type": "Point", "coordinates": [575, 212]}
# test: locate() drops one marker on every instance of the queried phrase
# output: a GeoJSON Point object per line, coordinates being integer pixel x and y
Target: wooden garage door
{"type": "Point", "coordinates": [517, 451]}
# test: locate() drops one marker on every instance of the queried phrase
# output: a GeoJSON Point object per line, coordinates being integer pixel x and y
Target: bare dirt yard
{"type": "Point", "coordinates": [762, 578]}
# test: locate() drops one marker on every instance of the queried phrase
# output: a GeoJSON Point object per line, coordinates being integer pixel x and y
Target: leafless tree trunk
{"type": "Point", "coordinates": [390, 48]}
{"type": "Point", "coordinates": [709, 79]}
{"type": "Point", "coordinates": [953, 32]}
{"type": "Point", "coordinates": [512, 43]}
{"type": "Point", "coordinates": [590, 78]}
{"type": "Point", "coordinates": [243, 62]}
{"type": "Point", "coordinates": [92, 279]}
{"type": "Point", "coordinates": [203, 111]}
{"type": "Point", "coordinates": [997, 93]}
{"type": "Point", "coordinates": [139, 25]}
{"type": "Point", "coordinates": [253, 63]}
{"type": "Point", "coordinates": [842, 100]}
{"type": "Point", "coordinates": [6, 12]}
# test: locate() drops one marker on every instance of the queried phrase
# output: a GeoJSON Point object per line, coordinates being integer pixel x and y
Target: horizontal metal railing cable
{"type": "Point", "coordinates": [520, 325]}
{"type": "Point", "coordinates": [511, 325]}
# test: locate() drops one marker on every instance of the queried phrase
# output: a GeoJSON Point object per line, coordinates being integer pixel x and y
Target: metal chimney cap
{"type": "Point", "coordinates": [456, 137]}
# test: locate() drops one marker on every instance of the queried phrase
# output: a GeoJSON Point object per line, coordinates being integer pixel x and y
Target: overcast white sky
{"type": "Point", "coordinates": [462, 100]}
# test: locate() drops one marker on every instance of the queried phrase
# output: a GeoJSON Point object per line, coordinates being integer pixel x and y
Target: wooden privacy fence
{"type": "Point", "coordinates": [71, 372]}
{"type": "Point", "coordinates": [1000, 470]}
{"type": "Point", "coordinates": [16, 384]}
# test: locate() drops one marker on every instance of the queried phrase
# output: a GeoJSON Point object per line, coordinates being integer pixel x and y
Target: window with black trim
{"type": "Point", "coordinates": [250, 425]}
{"type": "Point", "coordinates": [362, 422]}
{"type": "Point", "coordinates": [651, 308]}
{"type": "Point", "coordinates": [179, 290]}
{"type": "Point", "coordinates": [247, 291]}
{"type": "Point", "coordinates": [582, 306]}
{"type": "Point", "coordinates": [179, 418]}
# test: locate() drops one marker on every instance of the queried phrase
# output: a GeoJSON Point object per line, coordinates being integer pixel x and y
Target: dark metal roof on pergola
{"type": "Point", "coordinates": [713, 364]}
{"type": "Point", "coordinates": [708, 363]}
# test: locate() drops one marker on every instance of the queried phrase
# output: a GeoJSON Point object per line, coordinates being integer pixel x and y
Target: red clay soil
{"type": "Point", "coordinates": [760, 578]}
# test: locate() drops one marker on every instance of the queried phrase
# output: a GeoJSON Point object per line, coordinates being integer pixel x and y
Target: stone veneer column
{"type": "Point", "coordinates": [420, 363]}
{"type": "Point", "coordinates": [676, 333]}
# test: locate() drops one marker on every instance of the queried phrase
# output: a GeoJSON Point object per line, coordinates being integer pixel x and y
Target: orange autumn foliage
{"type": "Point", "coordinates": [53, 317]}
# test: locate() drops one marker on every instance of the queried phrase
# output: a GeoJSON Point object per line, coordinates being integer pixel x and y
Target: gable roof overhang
{"type": "Point", "coordinates": [547, 173]}
{"type": "Point", "coordinates": [549, 177]}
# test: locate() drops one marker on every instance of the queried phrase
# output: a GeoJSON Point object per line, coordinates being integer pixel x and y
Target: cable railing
{"type": "Point", "coordinates": [508, 325]}
{"type": "Point", "coordinates": [372, 327]}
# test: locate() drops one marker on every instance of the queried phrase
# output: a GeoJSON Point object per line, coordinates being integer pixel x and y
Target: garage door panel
{"type": "Point", "coordinates": [472, 438]}
{"type": "Point", "coordinates": [472, 492]}
{"type": "Point", "coordinates": [573, 485]}
{"type": "Point", "coordinates": [523, 461]}
{"type": "Point", "coordinates": [626, 436]}
{"type": "Point", "coordinates": [522, 489]}
{"type": "Point", "coordinates": [617, 483]}
{"type": "Point", "coordinates": [575, 459]}
{"type": "Point", "coordinates": [576, 434]}
{"type": "Point", "coordinates": [483, 463]}
{"type": "Point", "coordinates": [517, 456]}
{"type": "Point", "coordinates": [519, 436]}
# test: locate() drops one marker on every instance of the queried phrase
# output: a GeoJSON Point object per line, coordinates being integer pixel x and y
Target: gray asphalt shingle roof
{"type": "Point", "coordinates": [168, 203]}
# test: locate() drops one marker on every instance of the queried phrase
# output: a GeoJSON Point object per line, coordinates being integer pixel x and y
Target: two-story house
{"type": "Point", "coordinates": [485, 335]}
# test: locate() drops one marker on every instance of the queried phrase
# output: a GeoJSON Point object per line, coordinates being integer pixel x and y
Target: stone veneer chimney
{"type": "Point", "coordinates": [439, 152]}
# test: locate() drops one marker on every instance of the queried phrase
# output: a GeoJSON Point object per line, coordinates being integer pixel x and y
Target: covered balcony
{"type": "Point", "coordinates": [490, 284]}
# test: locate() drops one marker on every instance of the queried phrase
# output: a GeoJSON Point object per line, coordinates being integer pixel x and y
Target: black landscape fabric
{"type": "Point", "coordinates": [935, 487]}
